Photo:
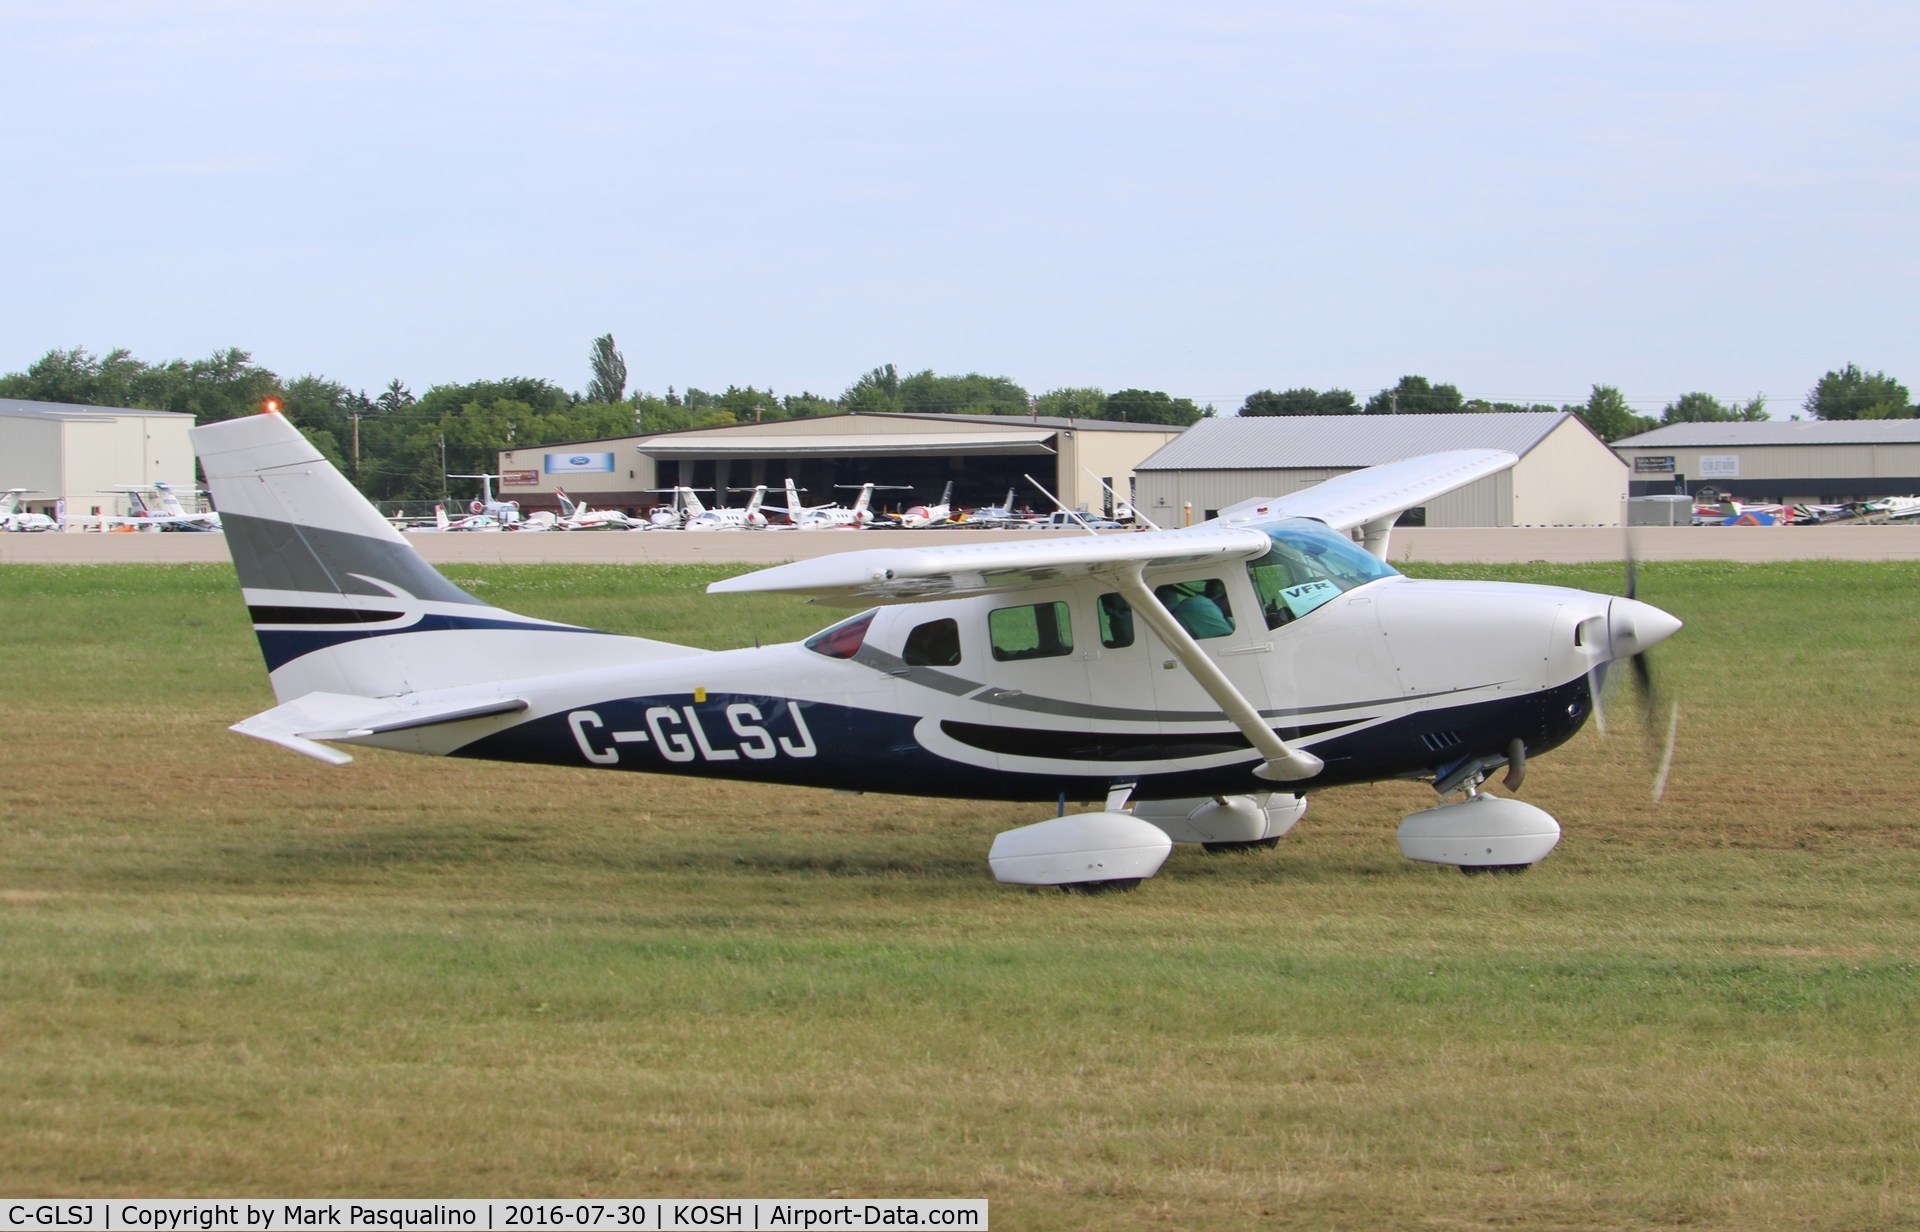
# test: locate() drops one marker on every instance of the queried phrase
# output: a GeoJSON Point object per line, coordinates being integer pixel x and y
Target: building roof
{"type": "Point", "coordinates": [1295, 442]}
{"type": "Point", "coordinates": [1778, 432]}
{"type": "Point", "coordinates": [70, 410]}
{"type": "Point", "coordinates": [737, 444]}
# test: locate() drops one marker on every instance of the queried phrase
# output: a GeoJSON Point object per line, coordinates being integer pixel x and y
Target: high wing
{"type": "Point", "coordinates": [1369, 499]}
{"type": "Point", "coordinates": [1363, 499]}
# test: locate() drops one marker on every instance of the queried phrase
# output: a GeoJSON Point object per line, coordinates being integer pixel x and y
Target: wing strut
{"type": "Point", "coordinates": [1284, 764]}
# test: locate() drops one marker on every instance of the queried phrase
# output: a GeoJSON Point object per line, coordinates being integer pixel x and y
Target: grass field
{"type": "Point", "coordinates": [228, 970]}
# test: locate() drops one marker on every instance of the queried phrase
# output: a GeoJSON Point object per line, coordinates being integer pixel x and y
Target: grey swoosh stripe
{"type": "Point", "coordinates": [273, 555]}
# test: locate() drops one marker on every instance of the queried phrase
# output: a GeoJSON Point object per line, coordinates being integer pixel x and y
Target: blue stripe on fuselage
{"type": "Point", "coordinates": [819, 744]}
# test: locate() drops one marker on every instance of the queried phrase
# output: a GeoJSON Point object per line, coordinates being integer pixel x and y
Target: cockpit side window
{"type": "Point", "coordinates": [1308, 565]}
{"type": "Point", "coordinates": [842, 641]}
{"type": "Point", "coordinates": [934, 644]}
{"type": "Point", "coordinates": [1036, 631]}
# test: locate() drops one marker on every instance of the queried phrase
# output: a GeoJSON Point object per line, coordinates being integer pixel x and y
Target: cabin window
{"type": "Point", "coordinates": [934, 644]}
{"type": "Point", "coordinates": [1307, 566]}
{"type": "Point", "coordinates": [1116, 621]}
{"type": "Point", "coordinates": [842, 641]}
{"type": "Point", "coordinates": [1036, 631]}
{"type": "Point", "coordinates": [1200, 606]}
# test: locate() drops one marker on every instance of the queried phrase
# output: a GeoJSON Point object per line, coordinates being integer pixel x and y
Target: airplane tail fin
{"type": "Point", "coordinates": [759, 494]}
{"type": "Point", "coordinates": [694, 507]}
{"type": "Point", "coordinates": [567, 506]}
{"type": "Point", "coordinates": [860, 502]}
{"type": "Point", "coordinates": [793, 503]}
{"type": "Point", "coordinates": [343, 604]}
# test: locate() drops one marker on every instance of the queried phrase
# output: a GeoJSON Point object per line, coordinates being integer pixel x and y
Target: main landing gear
{"type": "Point", "coordinates": [1483, 833]}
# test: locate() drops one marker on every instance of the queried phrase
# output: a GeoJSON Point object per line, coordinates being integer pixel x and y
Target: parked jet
{"type": "Point", "coordinates": [506, 512]}
{"type": "Point", "coordinates": [920, 516]}
{"type": "Point", "coordinates": [749, 518]}
{"type": "Point", "coordinates": [1195, 681]}
{"type": "Point", "coordinates": [833, 517]}
{"type": "Point", "coordinates": [14, 518]}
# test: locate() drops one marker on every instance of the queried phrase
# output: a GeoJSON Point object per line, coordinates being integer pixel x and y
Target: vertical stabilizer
{"type": "Point", "coordinates": [342, 603]}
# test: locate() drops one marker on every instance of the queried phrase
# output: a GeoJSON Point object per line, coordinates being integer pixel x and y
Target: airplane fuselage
{"type": "Point", "coordinates": [1356, 681]}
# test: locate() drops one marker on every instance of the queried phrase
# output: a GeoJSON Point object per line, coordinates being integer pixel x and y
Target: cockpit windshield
{"type": "Point", "coordinates": [1308, 565]}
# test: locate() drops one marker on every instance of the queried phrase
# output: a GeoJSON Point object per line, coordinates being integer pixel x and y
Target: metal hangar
{"type": "Point", "coordinates": [1566, 476]}
{"type": "Point", "coordinates": [983, 456]}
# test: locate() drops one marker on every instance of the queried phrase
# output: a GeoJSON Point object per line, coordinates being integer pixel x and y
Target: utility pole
{"type": "Point", "coordinates": [355, 417]}
{"type": "Point", "coordinates": [444, 493]}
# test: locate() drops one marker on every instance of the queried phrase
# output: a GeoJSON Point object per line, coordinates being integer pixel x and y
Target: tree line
{"type": "Point", "coordinates": [399, 446]}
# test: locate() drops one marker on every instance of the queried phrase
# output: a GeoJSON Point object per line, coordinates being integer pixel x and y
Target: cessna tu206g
{"type": "Point", "coordinates": [1196, 681]}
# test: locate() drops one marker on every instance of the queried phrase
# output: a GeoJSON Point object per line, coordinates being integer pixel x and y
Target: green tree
{"type": "Point", "coordinates": [1415, 395]}
{"type": "Point", "coordinates": [609, 383]}
{"type": "Point", "coordinates": [1608, 416]}
{"type": "Point", "coordinates": [1853, 394]}
{"type": "Point", "coordinates": [1084, 403]}
{"type": "Point", "coordinates": [972, 394]}
{"type": "Point", "coordinates": [807, 405]}
{"type": "Point", "coordinates": [1151, 406]}
{"type": "Point", "coordinates": [1301, 402]}
{"type": "Point", "coordinates": [878, 391]}
{"type": "Point", "coordinates": [1705, 408]}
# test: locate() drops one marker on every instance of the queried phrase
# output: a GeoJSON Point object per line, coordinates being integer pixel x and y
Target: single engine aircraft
{"type": "Point", "coordinates": [1196, 682]}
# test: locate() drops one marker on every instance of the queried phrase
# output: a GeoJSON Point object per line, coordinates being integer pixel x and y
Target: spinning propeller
{"type": "Point", "coordinates": [1633, 628]}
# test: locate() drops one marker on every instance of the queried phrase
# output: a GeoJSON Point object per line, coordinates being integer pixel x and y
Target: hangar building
{"type": "Point", "coordinates": [1782, 461]}
{"type": "Point", "coordinates": [984, 456]}
{"type": "Point", "coordinates": [1566, 476]}
{"type": "Point", "coordinates": [75, 453]}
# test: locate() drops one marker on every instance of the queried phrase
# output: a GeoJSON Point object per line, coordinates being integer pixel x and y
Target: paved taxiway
{"type": "Point", "coordinates": [1490, 546]}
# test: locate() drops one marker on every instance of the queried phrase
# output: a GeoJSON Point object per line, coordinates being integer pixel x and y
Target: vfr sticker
{"type": "Point", "coordinates": [681, 734]}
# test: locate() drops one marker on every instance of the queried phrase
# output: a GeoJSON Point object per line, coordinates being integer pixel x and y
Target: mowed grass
{"type": "Point", "coordinates": [225, 969]}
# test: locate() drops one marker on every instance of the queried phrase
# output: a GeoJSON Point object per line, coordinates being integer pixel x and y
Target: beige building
{"type": "Point", "coordinates": [983, 456]}
{"type": "Point", "coordinates": [1779, 461]}
{"type": "Point", "coordinates": [1566, 475]}
{"type": "Point", "coordinates": [79, 453]}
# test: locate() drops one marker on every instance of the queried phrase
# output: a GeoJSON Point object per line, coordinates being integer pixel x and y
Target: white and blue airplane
{"type": "Point", "coordinates": [1195, 682]}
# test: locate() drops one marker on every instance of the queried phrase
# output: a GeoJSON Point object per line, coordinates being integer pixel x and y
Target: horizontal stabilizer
{"type": "Point", "coordinates": [301, 723]}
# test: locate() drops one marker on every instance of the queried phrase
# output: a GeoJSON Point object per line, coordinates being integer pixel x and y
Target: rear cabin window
{"type": "Point", "coordinates": [1036, 631]}
{"type": "Point", "coordinates": [1200, 606]}
{"type": "Point", "coordinates": [842, 641]}
{"type": "Point", "coordinates": [1116, 621]}
{"type": "Point", "coordinates": [934, 644]}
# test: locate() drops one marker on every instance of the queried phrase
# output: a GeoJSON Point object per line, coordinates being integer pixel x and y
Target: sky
{"type": "Point", "coordinates": [1210, 198]}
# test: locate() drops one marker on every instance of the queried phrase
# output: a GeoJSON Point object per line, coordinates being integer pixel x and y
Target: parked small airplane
{"type": "Point", "coordinates": [165, 512]}
{"type": "Point", "coordinates": [920, 516]}
{"type": "Point", "coordinates": [1196, 681]}
{"type": "Point", "coordinates": [506, 512]}
{"type": "Point", "coordinates": [1001, 516]}
{"type": "Point", "coordinates": [14, 518]}
{"type": "Point", "coordinates": [575, 515]}
{"type": "Point", "coordinates": [749, 518]}
{"type": "Point", "coordinates": [833, 517]}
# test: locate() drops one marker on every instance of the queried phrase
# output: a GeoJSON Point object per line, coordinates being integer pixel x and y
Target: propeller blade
{"type": "Point", "coordinates": [1666, 753]}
